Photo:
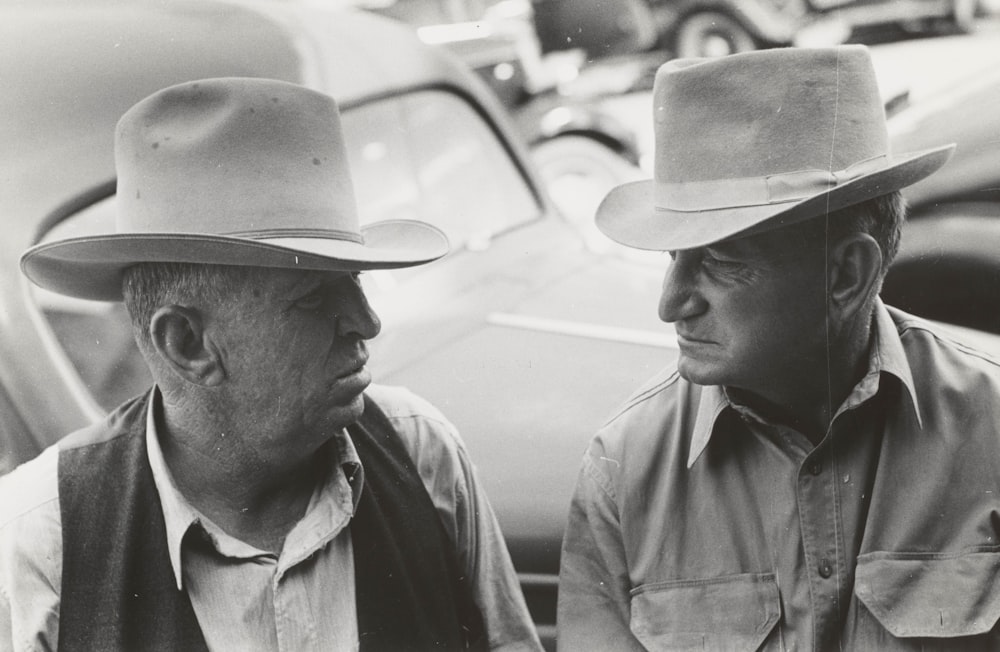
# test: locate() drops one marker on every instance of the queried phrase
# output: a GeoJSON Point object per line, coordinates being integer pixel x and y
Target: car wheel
{"type": "Point", "coordinates": [711, 34]}
{"type": "Point", "coordinates": [578, 172]}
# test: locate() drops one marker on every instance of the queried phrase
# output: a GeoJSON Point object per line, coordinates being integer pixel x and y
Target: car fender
{"type": "Point", "coordinates": [765, 23]}
{"type": "Point", "coordinates": [546, 119]}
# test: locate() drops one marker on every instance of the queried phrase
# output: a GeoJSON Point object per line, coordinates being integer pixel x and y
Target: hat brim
{"type": "Point", "coordinates": [91, 267]}
{"type": "Point", "coordinates": [628, 214]}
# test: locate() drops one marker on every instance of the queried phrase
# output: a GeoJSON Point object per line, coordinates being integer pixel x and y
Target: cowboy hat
{"type": "Point", "coordinates": [232, 171]}
{"type": "Point", "coordinates": [751, 142]}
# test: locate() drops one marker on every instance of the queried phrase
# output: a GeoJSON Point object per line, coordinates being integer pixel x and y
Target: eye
{"type": "Point", "coordinates": [713, 260]}
{"type": "Point", "coordinates": [312, 301]}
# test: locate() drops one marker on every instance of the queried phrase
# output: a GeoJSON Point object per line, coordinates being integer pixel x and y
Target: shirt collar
{"type": "Point", "coordinates": [891, 355]}
{"type": "Point", "coordinates": [886, 356]}
{"type": "Point", "coordinates": [712, 403]}
{"type": "Point", "coordinates": [179, 515]}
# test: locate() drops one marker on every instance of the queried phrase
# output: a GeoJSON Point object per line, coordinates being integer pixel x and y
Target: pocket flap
{"type": "Point", "coordinates": [736, 612]}
{"type": "Point", "coordinates": [931, 594]}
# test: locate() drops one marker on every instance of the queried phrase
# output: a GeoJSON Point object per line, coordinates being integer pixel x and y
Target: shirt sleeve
{"type": "Point", "coordinates": [30, 556]}
{"type": "Point", "coordinates": [594, 600]}
{"type": "Point", "coordinates": [495, 585]}
{"type": "Point", "coordinates": [451, 480]}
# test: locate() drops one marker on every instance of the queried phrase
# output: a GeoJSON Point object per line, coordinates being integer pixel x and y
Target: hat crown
{"type": "Point", "coordinates": [808, 109]}
{"type": "Point", "coordinates": [756, 141]}
{"type": "Point", "coordinates": [231, 171]}
{"type": "Point", "coordinates": [254, 157]}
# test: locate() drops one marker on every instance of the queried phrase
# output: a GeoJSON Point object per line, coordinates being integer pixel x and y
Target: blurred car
{"type": "Point", "coordinates": [908, 16]}
{"type": "Point", "coordinates": [525, 337]}
{"type": "Point", "coordinates": [494, 38]}
{"type": "Point", "coordinates": [947, 89]}
{"type": "Point", "coordinates": [577, 146]}
{"type": "Point", "coordinates": [705, 28]}
{"type": "Point", "coordinates": [683, 28]}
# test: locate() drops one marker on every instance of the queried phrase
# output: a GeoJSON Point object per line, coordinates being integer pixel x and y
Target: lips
{"type": "Point", "coordinates": [687, 338]}
{"type": "Point", "coordinates": [354, 364]}
{"type": "Point", "coordinates": [358, 368]}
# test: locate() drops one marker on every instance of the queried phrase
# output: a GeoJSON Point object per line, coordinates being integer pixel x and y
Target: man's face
{"type": "Point", "coordinates": [749, 312]}
{"type": "Point", "coordinates": [293, 349]}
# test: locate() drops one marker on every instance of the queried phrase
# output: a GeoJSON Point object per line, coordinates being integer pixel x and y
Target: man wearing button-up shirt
{"type": "Point", "coordinates": [819, 471]}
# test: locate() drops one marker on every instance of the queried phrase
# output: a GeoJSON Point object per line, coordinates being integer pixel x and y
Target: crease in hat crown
{"type": "Point", "coordinates": [238, 171]}
{"type": "Point", "coordinates": [753, 141]}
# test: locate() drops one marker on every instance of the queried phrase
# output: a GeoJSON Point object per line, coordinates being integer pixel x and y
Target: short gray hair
{"type": "Point", "coordinates": [148, 286]}
{"type": "Point", "coordinates": [881, 217]}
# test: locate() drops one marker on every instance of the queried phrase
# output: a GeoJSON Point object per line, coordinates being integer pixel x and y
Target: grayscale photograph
{"type": "Point", "coordinates": [508, 325]}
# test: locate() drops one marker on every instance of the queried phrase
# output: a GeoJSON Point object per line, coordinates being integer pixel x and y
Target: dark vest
{"type": "Point", "coordinates": [119, 591]}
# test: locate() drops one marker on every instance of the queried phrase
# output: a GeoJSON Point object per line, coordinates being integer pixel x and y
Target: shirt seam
{"type": "Point", "coordinates": [603, 482]}
{"type": "Point", "coordinates": [644, 396]}
{"type": "Point", "coordinates": [940, 338]}
{"type": "Point", "coordinates": [28, 510]}
{"type": "Point", "coordinates": [444, 425]}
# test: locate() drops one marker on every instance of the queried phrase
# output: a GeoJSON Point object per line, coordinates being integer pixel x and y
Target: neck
{"type": "Point", "coordinates": [809, 402]}
{"type": "Point", "coordinates": [254, 501]}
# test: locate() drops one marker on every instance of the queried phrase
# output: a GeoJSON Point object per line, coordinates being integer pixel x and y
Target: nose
{"type": "Point", "coordinates": [355, 315]}
{"type": "Point", "coordinates": [679, 298]}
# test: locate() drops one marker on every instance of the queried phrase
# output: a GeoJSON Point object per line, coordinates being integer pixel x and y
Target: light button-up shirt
{"type": "Point", "coordinates": [696, 524]}
{"type": "Point", "coordinates": [249, 599]}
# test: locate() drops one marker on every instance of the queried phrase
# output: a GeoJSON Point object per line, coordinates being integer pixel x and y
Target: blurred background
{"type": "Point", "coordinates": [503, 122]}
{"type": "Point", "coordinates": [575, 75]}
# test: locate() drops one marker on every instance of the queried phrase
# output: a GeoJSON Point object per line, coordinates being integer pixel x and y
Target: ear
{"type": "Point", "coordinates": [854, 273]}
{"type": "Point", "coordinates": [179, 338]}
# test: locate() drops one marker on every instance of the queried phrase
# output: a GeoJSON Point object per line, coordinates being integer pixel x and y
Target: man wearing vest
{"type": "Point", "coordinates": [261, 495]}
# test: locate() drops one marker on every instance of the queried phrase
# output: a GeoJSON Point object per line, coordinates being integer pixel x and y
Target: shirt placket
{"type": "Point", "coordinates": [293, 612]}
{"type": "Point", "coordinates": [822, 541]}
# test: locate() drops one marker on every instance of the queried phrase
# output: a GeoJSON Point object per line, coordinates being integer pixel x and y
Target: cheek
{"type": "Point", "coordinates": [772, 316]}
{"type": "Point", "coordinates": [788, 320]}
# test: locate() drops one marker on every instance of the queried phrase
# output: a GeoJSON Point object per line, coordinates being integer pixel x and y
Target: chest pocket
{"type": "Point", "coordinates": [733, 613]}
{"type": "Point", "coordinates": [931, 595]}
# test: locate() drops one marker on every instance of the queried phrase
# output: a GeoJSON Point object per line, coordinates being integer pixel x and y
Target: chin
{"type": "Point", "coordinates": [699, 373]}
{"type": "Point", "coordinates": [341, 416]}
{"type": "Point", "coordinates": [358, 406]}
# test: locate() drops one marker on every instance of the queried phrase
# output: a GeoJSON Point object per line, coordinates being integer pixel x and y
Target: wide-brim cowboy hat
{"type": "Point", "coordinates": [233, 171]}
{"type": "Point", "coordinates": [751, 142]}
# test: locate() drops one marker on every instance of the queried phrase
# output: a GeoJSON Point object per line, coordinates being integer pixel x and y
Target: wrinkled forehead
{"type": "Point", "coordinates": [283, 280]}
{"type": "Point", "coordinates": [807, 232]}
{"type": "Point", "coordinates": [792, 242]}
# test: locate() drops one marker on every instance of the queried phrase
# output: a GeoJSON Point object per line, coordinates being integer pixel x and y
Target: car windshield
{"type": "Point", "coordinates": [426, 155]}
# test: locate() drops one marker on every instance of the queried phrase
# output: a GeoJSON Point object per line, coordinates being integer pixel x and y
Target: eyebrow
{"type": "Point", "coordinates": [313, 279]}
{"type": "Point", "coordinates": [721, 248]}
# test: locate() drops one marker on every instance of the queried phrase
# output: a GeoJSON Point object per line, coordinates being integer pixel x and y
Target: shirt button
{"type": "Point", "coordinates": [815, 468]}
{"type": "Point", "coordinates": [825, 569]}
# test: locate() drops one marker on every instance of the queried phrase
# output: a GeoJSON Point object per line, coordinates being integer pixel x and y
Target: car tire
{"type": "Point", "coordinates": [711, 34]}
